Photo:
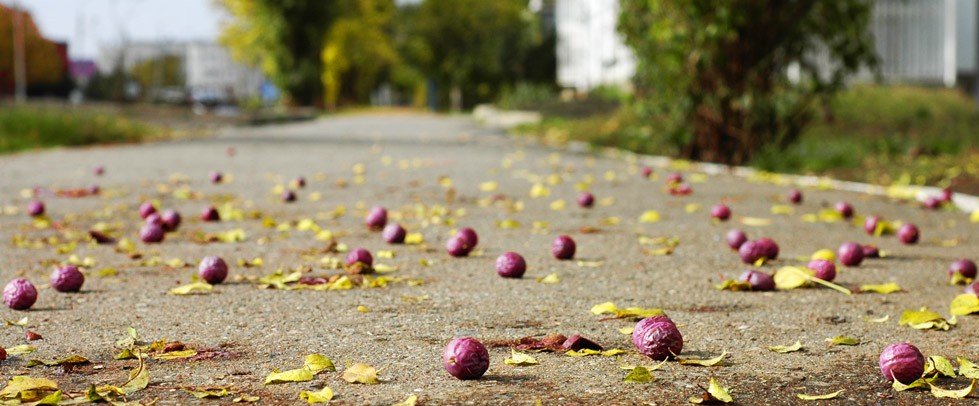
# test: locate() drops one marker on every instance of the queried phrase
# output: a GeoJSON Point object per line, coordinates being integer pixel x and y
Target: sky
{"type": "Point", "coordinates": [87, 24]}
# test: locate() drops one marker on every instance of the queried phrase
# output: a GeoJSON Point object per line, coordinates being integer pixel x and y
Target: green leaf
{"type": "Point", "coordinates": [964, 304]}
{"type": "Point", "coordinates": [782, 349]}
{"type": "Point", "coordinates": [292, 375]}
{"type": "Point", "coordinates": [953, 394]}
{"type": "Point", "coordinates": [74, 359]}
{"type": "Point", "coordinates": [316, 363]}
{"type": "Point", "coordinates": [639, 374]}
{"type": "Point", "coordinates": [715, 393]}
{"type": "Point", "coordinates": [704, 362]}
{"type": "Point", "coordinates": [885, 288]}
{"type": "Point", "coordinates": [321, 396]}
{"type": "Point", "coordinates": [520, 359]}
{"type": "Point", "coordinates": [842, 340]}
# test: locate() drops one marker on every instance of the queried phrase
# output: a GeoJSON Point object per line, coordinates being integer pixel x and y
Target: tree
{"type": "Point", "coordinates": [284, 38]}
{"type": "Point", "coordinates": [714, 73]}
{"type": "Point", "coordinates": [162, 71]}
{"type": "Point", "coordinates": [474, 46]}
{"type": "Point", "coordinates": [358, 50]}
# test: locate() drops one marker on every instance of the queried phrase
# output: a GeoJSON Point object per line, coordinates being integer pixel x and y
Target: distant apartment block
{"type": "Point", "coordinates": [209, 72]}
{"type": "Point", "coordinates": [930, 42]}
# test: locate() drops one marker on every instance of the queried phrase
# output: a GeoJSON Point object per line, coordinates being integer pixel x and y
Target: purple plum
{"type": "Point", "coordinates": [67, 279]}
{"type": "Point", "coordinates": [394, 234]}
{"type": "Point", "coordinates": [735, 238]}
{"type": "Point", "coordinates": [511, 265]}
{"type": "Point", "coordinates": [376, 218]}
{"type": "Point", "coordinates": [657, 338]}
{"type": "Point", "coordinates": [465, 358]}
{"type": "Point", "coordinates": [35, 208]}
{"type": "Point", "coordinates": [360, 255]}
{"type": "Point", "coordinates": [795, 196]}
{"type": "Point", "coordinates": [825, 270]}
{"type": "Point", "coordinates": [146, 209]}
{"type": "Point", "coordinates": [964, 267]}
{"type": "Point", "coordinates": [850, 254]}
{"type": "Point", "coordinates": [19, 294]}
{"type": "Point", "coordinates": [902, 362]}
{"type": "Point", "coordinates": [586, 200]}
{"type": "Point", "coordinates": [720, 212]}
{"type": "Point", "coordinates": [212, 269]}
{"type": "Point", "coordinates": [563, 247]}
{"type": "Point", "coordinates": [758, 280]}
{"type": "Point", "coordinates": [908, 234]}
{"type": "Point", "coordinates": [844, 208]}
{"type": "Point", "coordinates": [151, 233]}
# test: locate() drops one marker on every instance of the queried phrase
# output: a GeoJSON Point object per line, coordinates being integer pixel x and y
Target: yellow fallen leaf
{"type": "Point", "coordinates": [877, 320]}
{"type": "Point", "coordinates": [320, 396]}
{"type": "Point", "coordinates": [558, 204]}
{"type": "Point", "coordinates": [639, 374]}
{"type": "Point", "coordinates": [508, 224]}
{"type": "Point", "coordinates": [609, 307]}
{"type": "Point", "coordinates": [925, 320]}
{"type": "Point", "coordinates": [649, 216]}
{"type": "Point", "coordinates": [174, 355]}
{"type": "Point", "coordinates": [384, 268]}
{"type": "Point", "coordinates": [360, 373]}
{"type": "Point", "coordinates": [692, 207]}
{"type": "Point", "coordinates": [611, 221]}
{"type": "Point", "coordinates": [551, 278]}
{"type": "Point", "coordinates": [756, 221]}
{"type": "Point", "coordinates": [953, 394]}
{"type": "Point", "coordinates": [658, 252]}
{"type": "Point", "coordinates": [488, 186]}
{"type": "Point", "coordinates": [585, 352]}
{"type": "Point", "coordinates": [964, 304]}
{"type": "Point", "coordinates": [820, 397]}
{"type": "Point", "coordinates": [715, 392]}
{"type": "Point", "coordinates": [21, 322]}
{"type": "Point", "coordinates": [17, 350]}
{"type": "Point", "coordinates": [410, 401]}
{"type": "Point", "coordinates": [363, 309]}
{"type": "Point", "coordinates": [539, 190]}
{"type": "Point", "coordinates": [974, 217]}
{"type": "Point", "coordinates": [590, 264]}
{"type": "Point", "coordinates": [842, 340]}
{"type": "Point", "coordinates": [317, 363]}
{"type": "Point", "coordinates": [292, 375]}
{"type": "Point", "coordinates": [605, 202]}
{"type": "Point", "coordinates": [206, 393]}
{"type": "Point", "coordinates": [20, 384]}
{"type": "Point", "coordinates": [414, 238]}
{"type": "Point", "coordinates": [520, 359]}
{"type": "Point", "coordinates": [940, 365]}
{"type": "Point", "coordinates": [246, 398]}
{"type": "Point", "coordinates": [704, 362]}
{"type": "Point", "coordinates": [782, 349]}
{"type": "Point", "coordinates": [626, 330]}
{"type": "Point", "coordinates": [192, 288]}
{"type": "Point", "coordinates": [782, 209]}
{"type": "Point", "coordinates": [885, 288]}
{"type": "Point", "coordinates": [386, 254]}
{"type": "Point", "coordinates": [415, 298]}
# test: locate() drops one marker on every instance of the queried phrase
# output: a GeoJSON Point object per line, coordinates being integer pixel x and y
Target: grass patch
{"type": "Point", "coordinates": [877, 134]}
{"type": "Point", "coordinates": [26, 128]}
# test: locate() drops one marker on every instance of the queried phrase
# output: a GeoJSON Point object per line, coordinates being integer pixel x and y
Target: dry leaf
{"type": "Point", "coordinates": [715, 392]}
{"type": "Point", "coordinates": [520, 359]}
{"type": "Point", "coordinates": [782, 349]}
{"type": "Point", "coordinates": [360, 373]}
{"type": "Point", "coordinates": [321, 396]}
{"type": "Point", "coordinates": [705, 362]}
{"type": "Point", "coordinates": [639, 374]}
{"type": "Point", "coordinates": [820, 397]}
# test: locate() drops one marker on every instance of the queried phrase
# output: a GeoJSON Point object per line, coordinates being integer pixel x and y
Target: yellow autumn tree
{"type": "Point", "coordinates": [358, 50]}
{"type": "Point", "coordinates": [41, 58]}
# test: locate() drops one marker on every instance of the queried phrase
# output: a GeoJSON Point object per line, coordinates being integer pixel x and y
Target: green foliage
{"type": "Point", "coordinates": [23, 128]}
{"type": "Point", "coordinates": [526, 95]}
{"type": "Point", "coordinates": [358, 49]}
{"type": "Point", "coordinates": [714, 74]}
{"type": "Point", "coordinates": [473, 45]}
{"type": "Point", "coordinates": [159, 72]}
{"type": "Point", "coordinates": [284, 38]}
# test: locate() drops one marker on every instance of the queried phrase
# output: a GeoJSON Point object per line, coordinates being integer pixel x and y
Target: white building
{"type": "Point", "coordinates": [209, 72]}
{"type": "Point", "coordinates": [590, 51]}
{"type": "Point", "coordinates": [918, 41]}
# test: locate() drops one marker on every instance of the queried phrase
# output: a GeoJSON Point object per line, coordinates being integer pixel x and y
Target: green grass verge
{"type": "Point", "coordinates": [26, 128]}
{"type": "Point", "coordinates": [877, 134]}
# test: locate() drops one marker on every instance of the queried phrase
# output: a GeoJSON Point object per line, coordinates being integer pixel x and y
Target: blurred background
{"type": "Point", "coordinates": [878, 91]}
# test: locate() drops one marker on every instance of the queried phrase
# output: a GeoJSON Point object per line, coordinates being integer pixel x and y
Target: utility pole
{"type": "Point", "coordinates": [20, 72]}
